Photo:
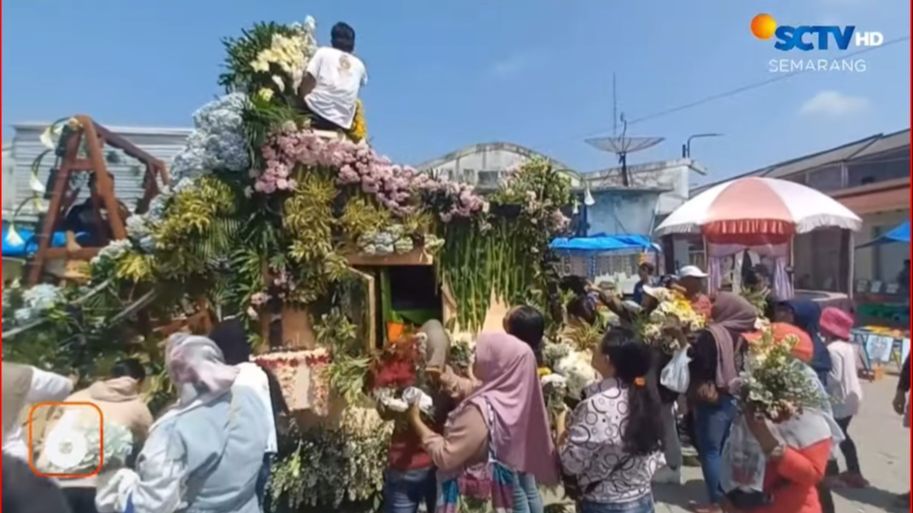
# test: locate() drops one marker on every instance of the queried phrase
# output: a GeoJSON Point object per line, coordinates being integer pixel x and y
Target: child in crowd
{"type": "Point", "coordinates": [843, 386]}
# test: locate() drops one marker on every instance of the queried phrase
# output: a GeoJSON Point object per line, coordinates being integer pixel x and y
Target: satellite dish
{"type": "Point", "coordinates": [623, 145]}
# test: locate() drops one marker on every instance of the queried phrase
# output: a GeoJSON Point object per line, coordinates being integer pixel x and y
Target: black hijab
{"type": "Point", "coordinates": [232, 340]}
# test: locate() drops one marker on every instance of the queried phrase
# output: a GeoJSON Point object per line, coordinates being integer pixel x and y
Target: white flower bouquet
{"type": "Point", "coordinates": [572, 365]}
{"type": "Point", "coordinates": [775, 383]}
{"type": "Point", "coordinates": [673, 309]}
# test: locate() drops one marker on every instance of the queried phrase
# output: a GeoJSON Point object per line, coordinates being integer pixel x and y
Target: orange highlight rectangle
{"type": "Point", "coordinates": [101, 439]}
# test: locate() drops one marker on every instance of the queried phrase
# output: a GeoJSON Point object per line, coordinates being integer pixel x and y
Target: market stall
{"type": "Point", "coordinates": [886, 306]}
{"type": "Point", "coordinates": [605, 258]}
{"type": "Point", "coordinates": [760, 215]}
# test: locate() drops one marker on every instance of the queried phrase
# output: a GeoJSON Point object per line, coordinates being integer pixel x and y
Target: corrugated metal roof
{"type": "Point", "coordinates": [887, 143]}
{"type": "Point", "coordinates": [485, 147]}
{"type": "Point", "coordinates": [122, 130]}
{"type": "Point", "coordinates": [862, 148]}
{"type": "Point", "coordinates": [162, 143]}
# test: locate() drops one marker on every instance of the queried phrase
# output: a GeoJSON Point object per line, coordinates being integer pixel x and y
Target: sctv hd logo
{"type": "Point", "coordinates": [812, 37]}
{"type": "Point", "coordinates": [806, 38]}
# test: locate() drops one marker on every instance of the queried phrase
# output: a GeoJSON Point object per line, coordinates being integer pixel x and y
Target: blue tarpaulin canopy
{"type": "Point", "coordinates": [898, 234]}
{"type": "Point", "coordinates": [602, 243]}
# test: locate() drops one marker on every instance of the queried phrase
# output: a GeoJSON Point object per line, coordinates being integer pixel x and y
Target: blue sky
{"type": "Point", "coordinates": [446, 74]}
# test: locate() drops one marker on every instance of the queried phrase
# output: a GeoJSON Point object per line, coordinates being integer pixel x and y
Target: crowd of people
{"type": "Point", "coordinates": [492, 436]}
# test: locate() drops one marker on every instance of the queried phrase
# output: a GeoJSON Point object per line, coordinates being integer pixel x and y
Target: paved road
{"type": "Point", "coordinates": [884, 453]}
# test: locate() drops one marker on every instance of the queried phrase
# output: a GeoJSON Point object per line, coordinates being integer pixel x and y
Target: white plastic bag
{"type": "Point", "coordinates": [743, 462]}
{"type": "Point", "coordinates": [675, 375]}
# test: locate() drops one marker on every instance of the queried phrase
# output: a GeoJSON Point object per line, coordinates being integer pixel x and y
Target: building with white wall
{"type": "Point", "coordinates": [484, 165]}
{"type": "Point", "coordinates": [162, 143]}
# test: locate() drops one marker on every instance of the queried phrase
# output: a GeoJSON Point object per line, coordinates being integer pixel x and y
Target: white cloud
{"type": "Point", "coordinates": [509, 66]}
{"type": "Point", "coordinates": [834, 104]}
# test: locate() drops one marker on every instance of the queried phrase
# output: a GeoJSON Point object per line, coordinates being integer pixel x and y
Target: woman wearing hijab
{"type": "Point", "coordinates": [410, 477]}
{"type": "Point", "coordinates": [504, 419]}
{"type": "Point", "coordinates": [796, 450]}
{"type": "Point", "coordinates": [528, 324]}
{"type": "Point", "coordinates": [612, 446]}
{"type": "Point", "coordinates": [716, 359]}
{"type": "Point", "coordinates": [806, 315]}
{"type": "Point", "coordinates": [232, 340]}
{"type": "Point", "coordinates": [206, 452]}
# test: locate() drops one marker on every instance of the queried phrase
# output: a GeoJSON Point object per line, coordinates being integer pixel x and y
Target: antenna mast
{"type": "Point", "coordinates": [614, 108]}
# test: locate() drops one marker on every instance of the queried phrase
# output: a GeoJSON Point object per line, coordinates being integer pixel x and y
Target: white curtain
{"type": "Point", "coordinates": [781, 284]}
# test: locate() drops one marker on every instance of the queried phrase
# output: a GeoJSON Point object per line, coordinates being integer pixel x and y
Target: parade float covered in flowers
{"type": "Point", "coordinates": [307, 236]}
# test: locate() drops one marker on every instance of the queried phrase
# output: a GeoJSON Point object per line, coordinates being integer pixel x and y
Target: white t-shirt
{"type": "Point", "coordinates": [45, 386]}
{"type": "Point", "coordinates": [339, 76]}
{"type": "Point", "coordinates": [253, 377]}
{"type": "Point", "coordinates": [843, 380]}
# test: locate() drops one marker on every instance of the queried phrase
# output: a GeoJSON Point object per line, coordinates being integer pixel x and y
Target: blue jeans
{"type": "Point", "coordinates": [711, 423]}
{"type": "Point", "coordinates": [642, 505]}
{"type": "Point", "coordinates": [526, 494]}
{"type": "Point", "coordinates": [404, 490]}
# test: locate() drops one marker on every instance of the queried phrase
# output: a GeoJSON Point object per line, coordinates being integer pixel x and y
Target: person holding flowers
{"type": "Point", "coordinates": [717, 355]}
{"type": "Point", "coordinates": [691, 280]}
{"type": "Point", "coordinates": [796, 447]}
{"type": "Point", "coordinates": [502, 424]}
{"type": "Point", "coordinates": [806, 314]}
{"type": "Point", "coordinates": [611, 447]}
{"type": "Point", "coordinates": [410, 477]}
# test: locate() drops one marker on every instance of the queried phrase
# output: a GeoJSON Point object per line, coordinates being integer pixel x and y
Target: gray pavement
{"type": "Point", "coordinates": [884, 453]}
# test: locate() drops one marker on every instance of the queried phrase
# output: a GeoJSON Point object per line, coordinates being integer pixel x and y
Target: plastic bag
{"type": "Point", "coordinates": [743, 460]}
{"type": "Point", "coordinates": [675, 375]}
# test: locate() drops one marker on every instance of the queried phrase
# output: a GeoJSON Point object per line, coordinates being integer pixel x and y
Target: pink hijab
{"type": "Point", "coordinates": [506, 368]}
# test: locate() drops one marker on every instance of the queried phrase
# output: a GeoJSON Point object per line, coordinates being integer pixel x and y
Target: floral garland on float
{"type": "Point", "coordinates": [260, 223]}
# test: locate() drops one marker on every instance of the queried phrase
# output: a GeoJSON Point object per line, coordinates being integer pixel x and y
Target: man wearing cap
{"type": "Point", "coordinates": [843, 387]}
{"type": "Point", "coordinates": [691, 278]}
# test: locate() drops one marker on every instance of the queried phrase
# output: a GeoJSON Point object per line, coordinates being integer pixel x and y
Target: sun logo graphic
{"type": "Point", "coordinates": [763, 26]}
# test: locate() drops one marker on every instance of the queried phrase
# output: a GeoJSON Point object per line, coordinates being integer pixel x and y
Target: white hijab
{"type": "Point", "coordinates": [198, 370]}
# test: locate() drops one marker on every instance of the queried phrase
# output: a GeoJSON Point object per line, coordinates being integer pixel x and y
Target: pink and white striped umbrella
{"type": "Point", "coordinates": [759, 208]}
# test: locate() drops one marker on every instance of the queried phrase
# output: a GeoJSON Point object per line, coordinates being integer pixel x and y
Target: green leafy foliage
{"type": "Point", "coordinates": [338, 469]}
{"type": "Point", "coordinates": [508, 253]}
{"type": "Point", "coordinates": [198, 228]}
{"type": "Point", "coordinates": [360, 216]}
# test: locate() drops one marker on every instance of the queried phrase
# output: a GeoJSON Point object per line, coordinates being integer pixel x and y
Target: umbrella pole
{"type": "Point", "coordinates": [852, 264]}
{"type": "Point", "coordinates": [792, 264]}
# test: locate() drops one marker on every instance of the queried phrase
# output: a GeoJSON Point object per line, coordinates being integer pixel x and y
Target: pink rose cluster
{"type": "Point", "coordinates": [398, 188]}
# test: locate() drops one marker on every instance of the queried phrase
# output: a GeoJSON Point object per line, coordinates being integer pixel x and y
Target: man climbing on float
{"type": "Point", "coordinates": [333, 79]}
